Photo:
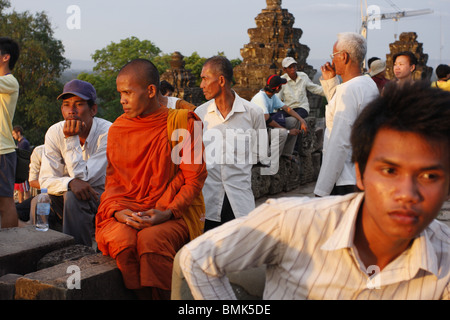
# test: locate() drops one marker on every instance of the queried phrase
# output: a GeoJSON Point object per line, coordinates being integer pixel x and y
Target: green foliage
{"type": "Point", "coordinates": [162, 62]}
{"type": "Point", "coordinates": [40, 64]}
{"type": "Point", "coordinates": [112, 58]}
{"type": "Point", "coordinates": [194, 63]}
{"type": "Point", "coordinates": [108, 101]}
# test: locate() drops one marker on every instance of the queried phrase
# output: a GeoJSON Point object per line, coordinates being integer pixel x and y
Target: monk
{"type": "Point", "coordinates": [151, 206]}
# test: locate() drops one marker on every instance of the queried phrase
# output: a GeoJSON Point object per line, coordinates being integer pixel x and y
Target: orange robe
{"type": "Point", "coordinates": [141, 176]}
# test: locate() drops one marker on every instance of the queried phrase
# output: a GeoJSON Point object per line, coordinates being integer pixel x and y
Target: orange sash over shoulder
{"type": "Point", "coordinates": [183, 104]}
{"type": "Point", "coordinates": [195, 215]}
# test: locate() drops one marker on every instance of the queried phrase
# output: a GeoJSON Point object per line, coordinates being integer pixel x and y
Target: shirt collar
{"type": "Point", "coordinates": [420, 255]}
{"type": "Point", "coordinates": [238, 106]}
{"type": "Point", "coordinates": [343, 236]}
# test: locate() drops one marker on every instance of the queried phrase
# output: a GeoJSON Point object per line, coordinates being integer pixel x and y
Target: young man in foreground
{"type": "Point", "coordinates": [382, 243]}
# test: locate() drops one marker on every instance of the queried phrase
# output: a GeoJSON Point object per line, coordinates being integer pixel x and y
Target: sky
{"type": "Point", "coordinates": [211, 26]}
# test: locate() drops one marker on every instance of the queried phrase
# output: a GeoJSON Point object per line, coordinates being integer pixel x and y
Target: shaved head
{"type": "Point", "coordinates": [144, 71]}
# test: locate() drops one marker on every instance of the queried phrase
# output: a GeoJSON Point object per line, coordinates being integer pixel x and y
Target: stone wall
{"type": "Point", "coordinates": [292, 175]}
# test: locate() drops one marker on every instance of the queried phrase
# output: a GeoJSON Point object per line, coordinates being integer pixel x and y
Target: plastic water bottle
{"type": "Point", "coordinates": [42, 210]}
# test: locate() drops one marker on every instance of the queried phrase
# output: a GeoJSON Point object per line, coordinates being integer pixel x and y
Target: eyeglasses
{"type": "Point", "coordinates": [332, 55]}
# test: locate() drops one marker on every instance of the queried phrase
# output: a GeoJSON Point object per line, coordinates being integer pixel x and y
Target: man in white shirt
{"type": "Point", "coordinates": [74, 161]}
{"type": "Point", "coordinates": [383, 243]}
{"type": "Point", "coordinates": [345, 103]}
{"type": "Point", "coordinates": [231, 128]}
{"type": "Point", "coordinates": [293, 94]}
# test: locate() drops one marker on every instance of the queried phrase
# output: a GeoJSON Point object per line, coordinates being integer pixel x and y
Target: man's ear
{"type": "Point", "coordinates": [359, 177]}
{"type": "Point", "coordinates": [94, 110]}
{"type": "Point", "coordinates": [222, 81]}
{"type": "Point", "coordinates": [6, 57]}
{"type": "Point", "coordinates": [152, 91]}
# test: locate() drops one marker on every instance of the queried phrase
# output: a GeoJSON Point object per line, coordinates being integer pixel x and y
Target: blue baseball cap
{"type": "Point", "coordinates": [79, 88]}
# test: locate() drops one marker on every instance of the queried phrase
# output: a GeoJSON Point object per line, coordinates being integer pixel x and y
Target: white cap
{"type": "Point", "coordinates": [288, 61]}
{"type": "Point", "coordinates": [376, 67]}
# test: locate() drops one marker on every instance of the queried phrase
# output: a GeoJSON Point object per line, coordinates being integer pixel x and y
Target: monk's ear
{"type": "Point", "coordinates": [359, 177]}
{"type": "Point", "coordinates": [152, 91]}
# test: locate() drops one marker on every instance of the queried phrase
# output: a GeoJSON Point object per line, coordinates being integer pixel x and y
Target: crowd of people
{"type": "Point", "coordinates": [168, 177]}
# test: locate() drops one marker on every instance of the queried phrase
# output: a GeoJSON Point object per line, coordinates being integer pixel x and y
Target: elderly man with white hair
{"type": "Point", "coordinates": [346, 100]}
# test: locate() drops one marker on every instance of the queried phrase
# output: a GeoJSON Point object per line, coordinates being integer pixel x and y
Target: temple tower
{"type": "Point", "coordinates": [273, 39]}
{"type": "Point", "coordinates": [182, 80]}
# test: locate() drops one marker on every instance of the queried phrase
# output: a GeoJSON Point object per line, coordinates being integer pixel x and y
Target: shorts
{"type": "Point", "coordinates": [7, 174]}
{"type": "Point", "coordinates": [22, 187]}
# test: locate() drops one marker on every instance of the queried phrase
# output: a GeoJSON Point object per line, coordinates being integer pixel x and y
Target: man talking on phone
{"type": "Point", "coordinates": [74, 162]}
{"type": "Point", "coordinates": [346, 100]}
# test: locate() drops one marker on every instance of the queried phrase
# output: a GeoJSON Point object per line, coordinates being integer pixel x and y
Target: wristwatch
{"type": "Point", "coordinates": [288, 131]}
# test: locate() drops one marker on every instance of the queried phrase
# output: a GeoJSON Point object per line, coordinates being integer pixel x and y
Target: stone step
{"type": "Point", "coordinates": [93, 277]}
{"type": "Point", "coordinates": [22, 248]}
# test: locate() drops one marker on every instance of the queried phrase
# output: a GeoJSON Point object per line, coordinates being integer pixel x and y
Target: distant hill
{"type": "Point", "coordinates": [77, 67]}
{"type": "Point", "coordinates": [84, 65]}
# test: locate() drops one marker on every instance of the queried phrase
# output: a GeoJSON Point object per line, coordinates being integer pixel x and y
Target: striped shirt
{"type": "Point", "coordinates": [307, 247]}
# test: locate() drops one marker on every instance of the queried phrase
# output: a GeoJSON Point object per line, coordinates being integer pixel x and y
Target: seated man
{"type": "Point", "coordinates": [382, 243]}
{"type": "Point", "coordinates": [151, 205]}
{"type": "Point", "coordinates": [73, 167]}
{"type": "Point", "coordinates": [288, 130]}
{"type": "Point", "coordinates": [294, 93]}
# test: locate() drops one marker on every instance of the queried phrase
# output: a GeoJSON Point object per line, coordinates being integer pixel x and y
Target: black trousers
{"type": "Point", "coordinates": [343, 190]}
{"type": "Point", "coordinates": [225, 215]}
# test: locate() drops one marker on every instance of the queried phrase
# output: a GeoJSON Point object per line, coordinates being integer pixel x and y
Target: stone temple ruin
{"type": "Point", "coordinates": [273, 39]}
{"type": "Point", "coordinates": [182, 80]}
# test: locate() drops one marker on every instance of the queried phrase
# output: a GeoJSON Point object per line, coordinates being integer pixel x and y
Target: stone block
{"type": "Point", "coordinates": [22, 248]}
{"type": "Point", "coordinates": [8, 286]}
{"type": "Point", "coordinates": [93, 277]}
{"type": "Point", "coordinates": [70, 253]}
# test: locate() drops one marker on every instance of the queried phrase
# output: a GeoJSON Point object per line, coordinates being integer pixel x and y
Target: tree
{"type": "Point", "coordinates": [111, 59]}
{"type": "Point", "coordinates": [194, 63]}
{"type": "Point", "coordinates": [40, 64]}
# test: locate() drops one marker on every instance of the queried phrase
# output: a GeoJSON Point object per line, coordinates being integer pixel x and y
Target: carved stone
{"type": "Point", "coordinates": [273, 39]}
{"type": "Point", "coordinates": [182, 80]}
{"type": "Point", "coordinates": [408, 42]}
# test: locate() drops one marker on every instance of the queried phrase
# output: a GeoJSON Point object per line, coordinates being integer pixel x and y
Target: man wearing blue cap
{"type": "Point", "coordinates": [74, 162]}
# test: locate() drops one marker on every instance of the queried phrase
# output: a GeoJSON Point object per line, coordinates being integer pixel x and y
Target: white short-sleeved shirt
{"type": "Point", "coordinates": [229, 164]}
